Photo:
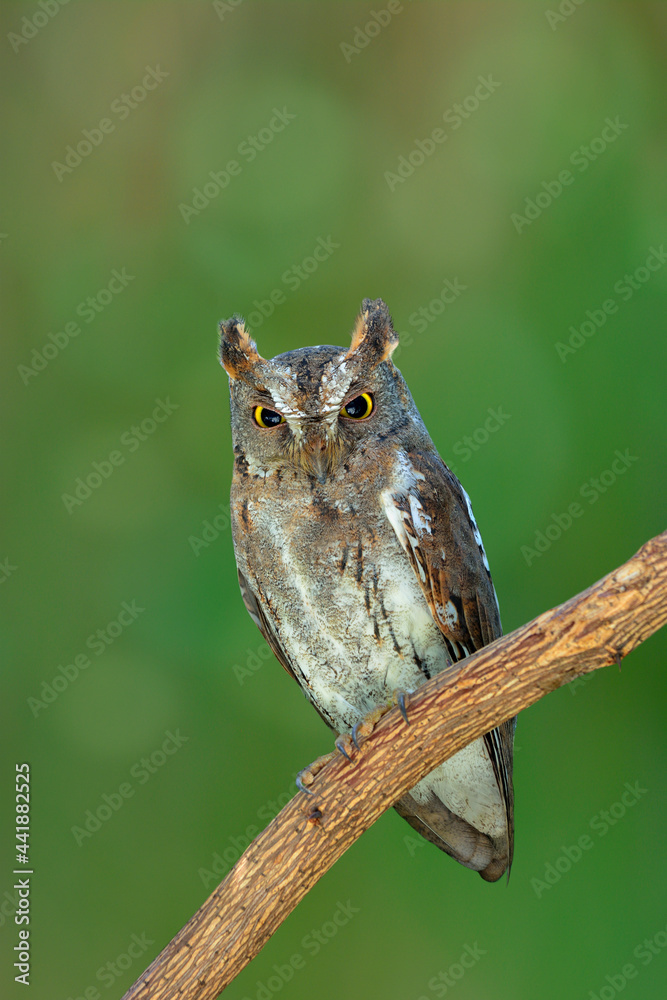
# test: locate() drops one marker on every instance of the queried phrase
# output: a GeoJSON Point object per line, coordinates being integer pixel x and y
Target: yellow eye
{"type": "Point", "coordinates": [267, 418]}
{"type": "Point", "coordinates": [358, 408]}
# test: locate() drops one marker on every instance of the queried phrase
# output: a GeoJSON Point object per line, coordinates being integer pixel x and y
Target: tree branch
{"type": "Point", "coordinates": [593, 630]}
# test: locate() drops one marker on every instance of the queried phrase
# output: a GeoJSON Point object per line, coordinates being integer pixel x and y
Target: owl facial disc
{"type": "Point", "coordinates": [309, 387]}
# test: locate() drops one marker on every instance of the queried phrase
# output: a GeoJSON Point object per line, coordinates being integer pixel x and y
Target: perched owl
{"type": "Point", "coordinates": [360, 561]}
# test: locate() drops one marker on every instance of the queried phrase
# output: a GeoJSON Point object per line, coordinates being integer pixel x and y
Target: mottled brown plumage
{"type": "Point", "coordinates": [360, 560]}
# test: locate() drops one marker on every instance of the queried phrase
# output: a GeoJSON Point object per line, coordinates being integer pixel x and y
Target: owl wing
{"type": "Point", "coordinates": [435, 525]}
{"type": "Point", "coordinates": [255, 611]}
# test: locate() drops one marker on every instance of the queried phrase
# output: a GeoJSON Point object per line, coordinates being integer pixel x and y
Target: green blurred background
{"type": "Point", "coordinates": [191, 662]}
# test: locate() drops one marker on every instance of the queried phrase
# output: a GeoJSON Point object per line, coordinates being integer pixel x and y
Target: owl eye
{"type": "Point", "coordinates": [267, 418]}
{"type": "Point", "coordinates": [359, 408]}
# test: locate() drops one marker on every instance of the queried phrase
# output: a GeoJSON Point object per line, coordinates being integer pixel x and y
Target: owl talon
{"type": "Point", "coordinates": [402, 699]}
{"type": "Point", "coordinates": [308, 774]}
{"type": "Point", "coordinates": [300, 785]}
{"type": "Point", "coordinates": [342, 744]}
{"type": "Point", "coordinates": [363, 729]}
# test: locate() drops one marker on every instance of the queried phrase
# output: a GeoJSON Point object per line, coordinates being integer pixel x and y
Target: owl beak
{"type": "Point", "coordinates": [318, 446]}
{"type": "Point", "coordinates": [318, 460]}
{"type": "Point", "coordinates": [315, 448]}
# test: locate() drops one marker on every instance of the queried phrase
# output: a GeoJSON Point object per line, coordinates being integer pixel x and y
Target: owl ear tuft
{"type": "Point", "coordinates": [238, 351]}
{"type": "Point", "coordinates": [374, 335]}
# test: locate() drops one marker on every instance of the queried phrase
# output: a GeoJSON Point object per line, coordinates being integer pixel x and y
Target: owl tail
{"type": "Point", "coordinates": [470, 847]}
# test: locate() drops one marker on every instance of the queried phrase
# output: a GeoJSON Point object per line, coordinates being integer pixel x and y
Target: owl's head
{"type": "Point", "coordinates": [312, 407]}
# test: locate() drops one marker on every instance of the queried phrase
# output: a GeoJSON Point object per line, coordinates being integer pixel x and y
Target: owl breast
{"type": "Point", "coordinates": [341, 597]}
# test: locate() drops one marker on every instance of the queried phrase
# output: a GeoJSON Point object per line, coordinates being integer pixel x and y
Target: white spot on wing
{"type": "Point", "coordinates": [395, 518]}
{"type": "Point", "coordinates": [406, 473]}
{"type": "Point", "coordinates": [450, 615]}
{"type": "Point", "coordinates": [478, 537]}
{"type": "Point", "coordinates": [420, 518]}
{"type": "Point", "coordinates": [495, 597]}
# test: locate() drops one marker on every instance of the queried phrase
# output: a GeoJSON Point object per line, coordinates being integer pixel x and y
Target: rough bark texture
{"type": "Point", "coordinates": [592, 630]}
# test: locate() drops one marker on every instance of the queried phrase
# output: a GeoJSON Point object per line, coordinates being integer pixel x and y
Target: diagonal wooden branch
{"type": "Point", "coordinates": [589, 631]}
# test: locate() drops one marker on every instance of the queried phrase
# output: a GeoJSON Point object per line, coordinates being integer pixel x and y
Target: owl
{"type": "Point", "coordinates": [360, 561]}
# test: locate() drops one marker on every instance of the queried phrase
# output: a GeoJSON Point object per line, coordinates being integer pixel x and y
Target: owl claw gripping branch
{"type": "Point", "coordinates": [360, 561]}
